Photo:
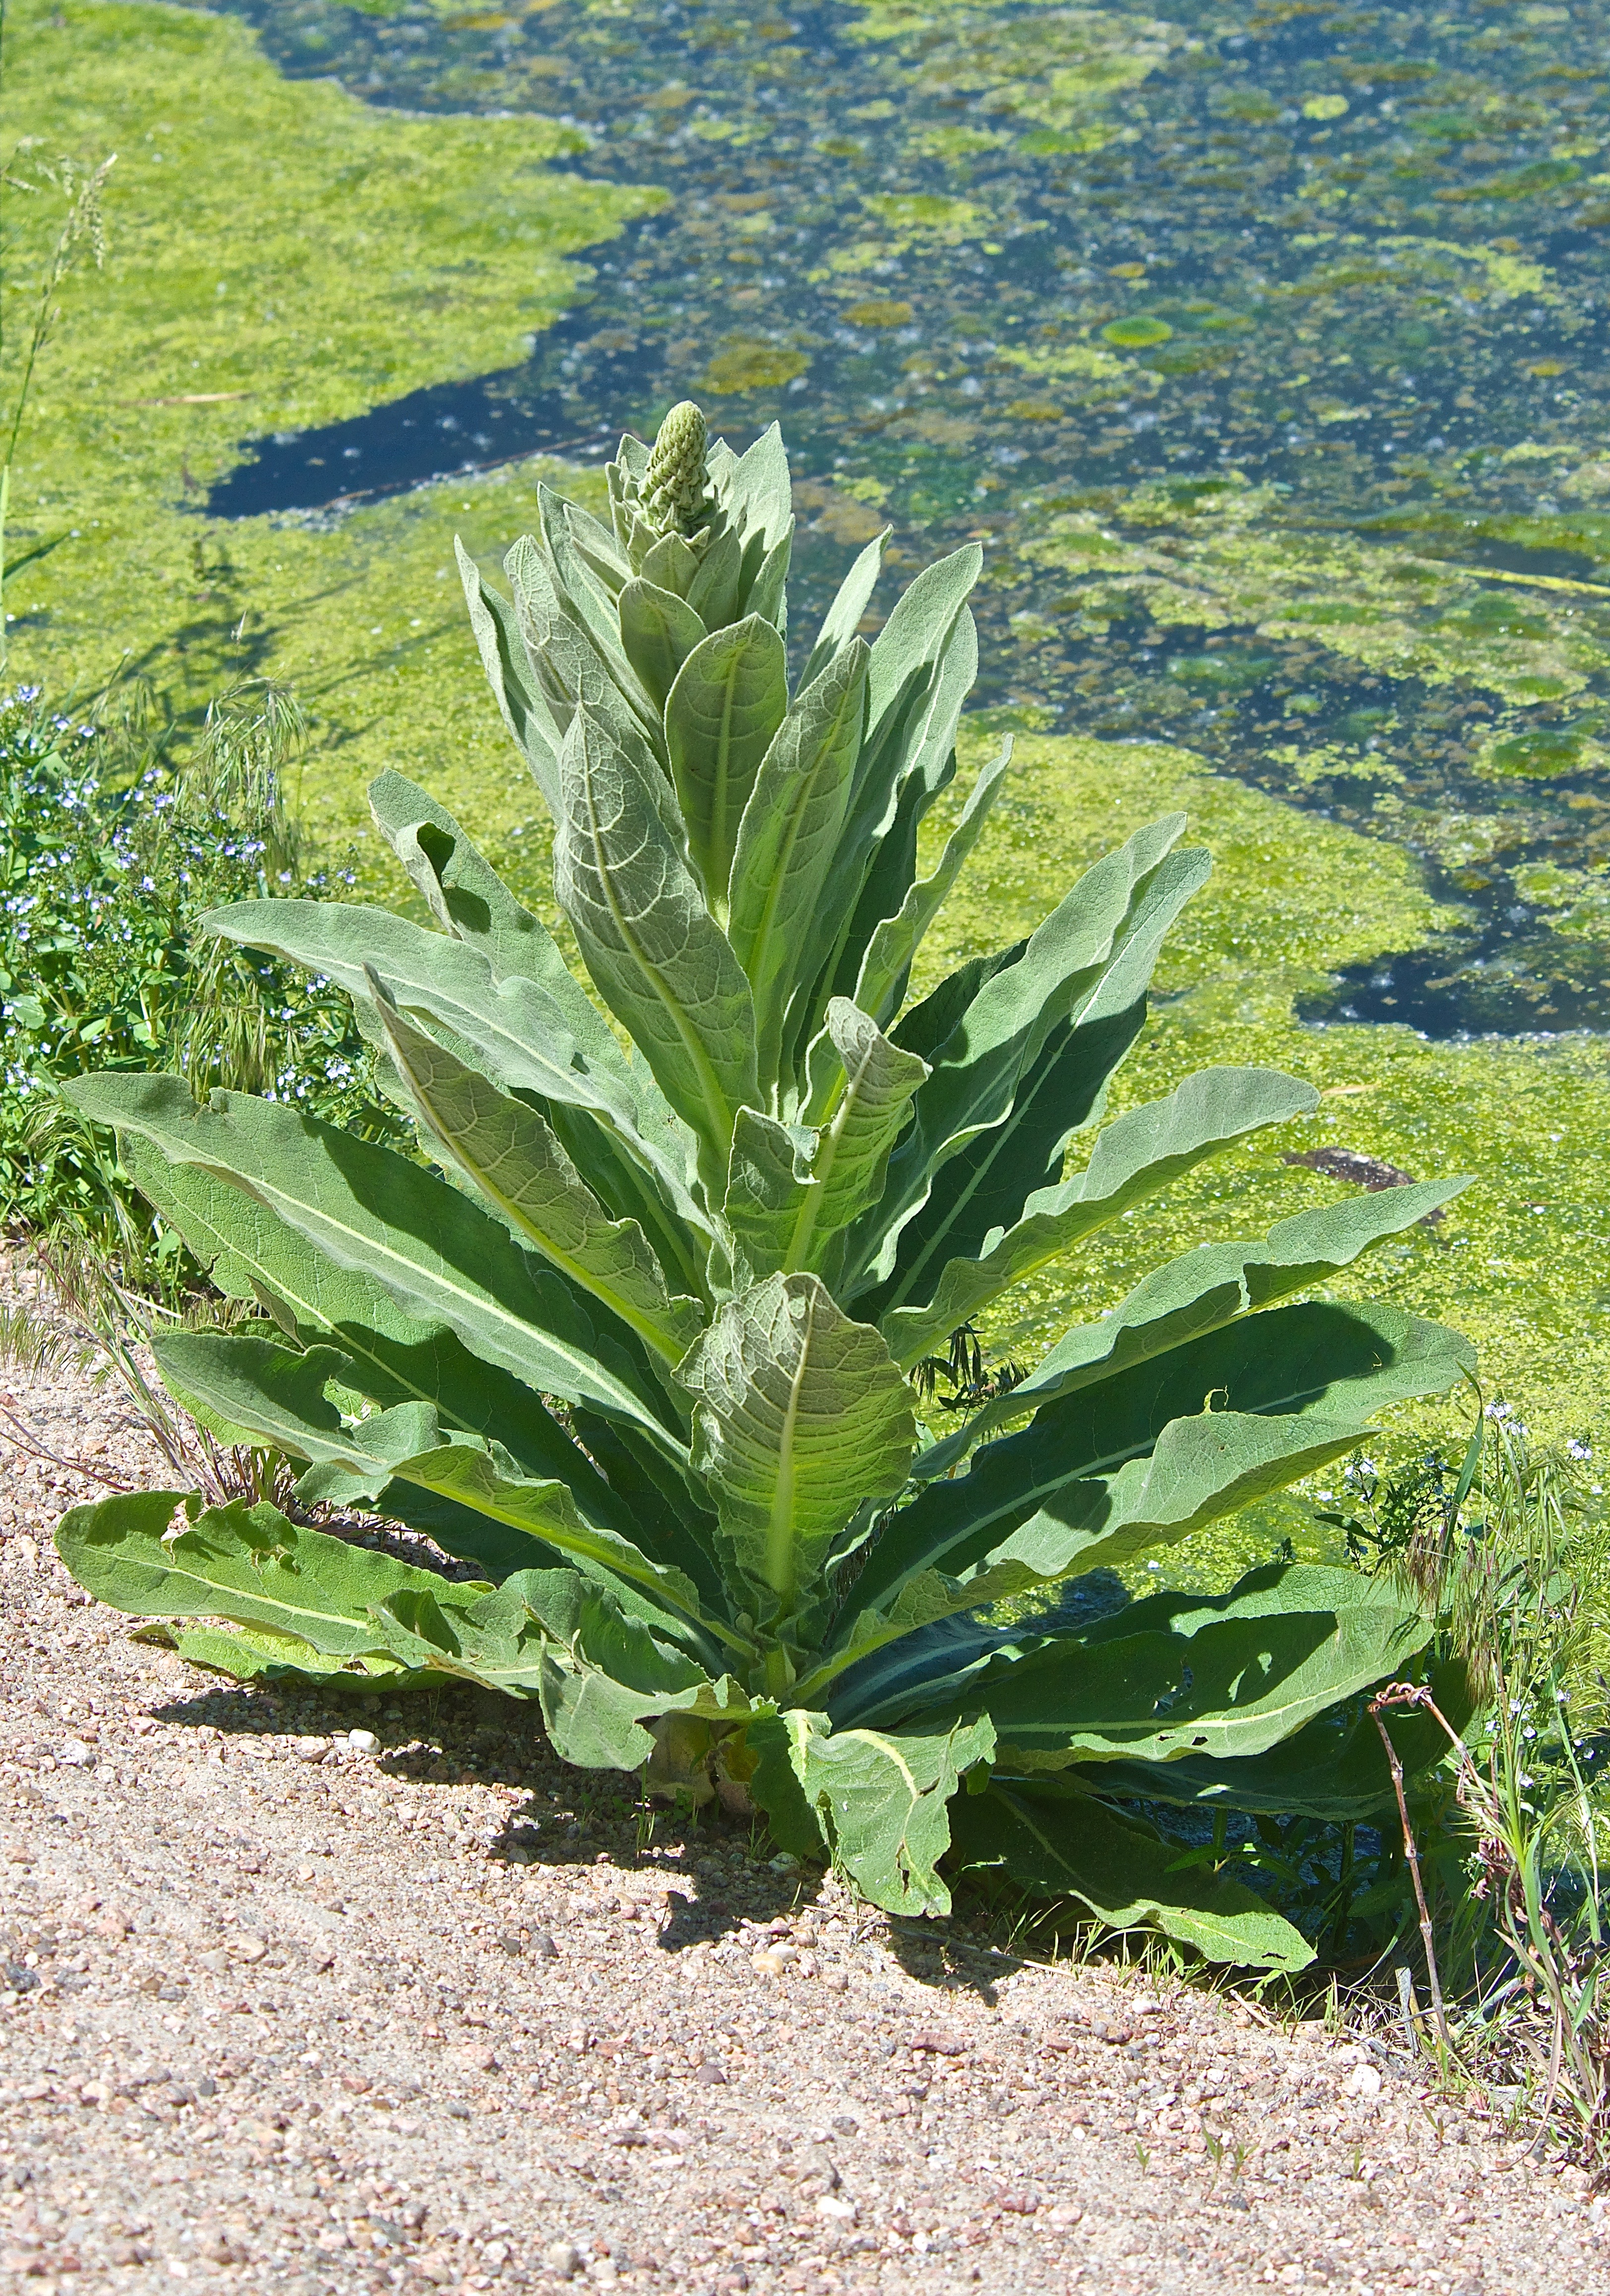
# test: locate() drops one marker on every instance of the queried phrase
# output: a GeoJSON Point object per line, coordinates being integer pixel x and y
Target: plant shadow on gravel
{"type": "Point", "coordinates": [566, 1824]}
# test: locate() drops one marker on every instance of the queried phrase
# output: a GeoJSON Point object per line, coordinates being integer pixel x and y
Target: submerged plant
{"type": "Point", "coordinates": [644, 1348]}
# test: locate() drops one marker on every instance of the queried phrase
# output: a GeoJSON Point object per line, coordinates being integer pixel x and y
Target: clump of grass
{"type": "Point", "coordinates": [86, 1321]}
{"type": "Point", "coordinates": [1521, 1579]}
{"type": "Point", "coordinates": [1497, 1857]}
{"type": "Point", "coordinates": [111, 848]}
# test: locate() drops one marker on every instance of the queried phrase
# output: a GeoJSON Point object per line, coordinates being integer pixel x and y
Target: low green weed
{"type": "Point", "coordinates": [109, 854]}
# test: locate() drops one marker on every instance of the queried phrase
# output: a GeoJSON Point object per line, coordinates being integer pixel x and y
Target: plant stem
{"type": "Point", "coordinates": [1399, 1694]}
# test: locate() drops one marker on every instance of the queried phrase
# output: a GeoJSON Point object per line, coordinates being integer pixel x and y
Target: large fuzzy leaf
{"type": "Point", "coordinates": [912, 639]}
{"type": "Point", "coordinates": [274, 1396]}
{"type": "Point", "coordinates": [512, 1157]}
{"type": "Point", "coordinates": [769, 1185]}
{"type": "Point", "coordinates": [463, 892]}
{"type": "Point", "coordinates": [729, 699]}
{"type": "Point", "coordinates": [716, 587]}
{"type": "Point", "coordinates": [801, 1416]}
{"type": "Point", "coordinates": [906, 757]}
{"type": "Point", "coordinates": [249, 1565]}
{"type": "Point", "coordinates": [659, 630]}
{"type": "Point", "coordinates": [589, 601]}
{"type": "Point", "coordinates": [753, 490]}
{"type": "Point", "coordinates": [788, 838]}
{"type": "Point", "coordinates": [543, 1036]}
{"type": "Point", "coordinates": [983, 1187]}
{"type": "Point", "coordinates": [850, 602]}
{"type": "Point", "coordinates": [598, 1673]}
{"type": "Point", "coordinates": [522, 703]}
{"type": "Point", "coordinates": [437, 1254]}
{"type": "Point", "coordinates": [1057, 1842]}
{"type": "Point", "coordinates": [861, 1106]}
{"type": "Point", "coordinates": [1334, 1767]}
{"type": "Point", "coordinates": [574, 669]}
{"type": "Point", "coordinates": [1091, 1481]}
{"type": "Point", "coordinates": [1144, 1151]}
{"type": "Point", "coordinates": [1223, 1676]}
{"type": "Point", "coordinates": [767, 593]}
{"type": "Point", "coordinates": [394, 1359]}
{"type": "Point", "coordinates": [886, 965]}
{"type": "Point", "coordinates": [659, 961]}
{"type": "Point", "coordinates": [886, 1796]}
{"type": "Point", "coordinates": [905, 767]}
{"type": "Point", "coordinates": [1089, 961]}
{"type": "Point", "coordinates": [776, 1743]}
{"type": "Point", "coordinates": [1199, 1293]}
{"type": "Point", "coordinates": [265, 1654]}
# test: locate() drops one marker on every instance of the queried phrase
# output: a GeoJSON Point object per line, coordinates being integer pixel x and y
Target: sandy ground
{"type": "Point", "coordinates": [282, 2011]}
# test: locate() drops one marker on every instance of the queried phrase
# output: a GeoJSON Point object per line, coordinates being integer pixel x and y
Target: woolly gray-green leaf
{"type": "Point", "coordinates": [659, 961]}
{"type": "Point", "coordinates": [511, 1155]}
{"type": "Point", "coordinates": [545, 1037]}
{"type": "Point", "coordinates": [727, 702]}
{"type": "Point", "coordinates": [589, 601]}
{"type": "Point", "coordinates": [1145, 1150]}
{"type": "Point", "coordinates": [567, 662]}
{"type": "Point", "coordinates": [437, 1254]}
{"type": "Point", "coordinates": [1225, 1676]}
{"type": "Point", "coordinates": [787, 837]}
{"type": "Point", "coordinates": [1064, 1843]}
{"type": "Point", "coordinates": [392, 1358]}
{"type": "Point", "coordinates": [1091, 958]}
{"type": "Point", "coordinates": [801, 1416]}
{"type": "Point", "coordinates": [865, 1100]}
{"type": "Point", "coordinates": [462, 890]}
{"type": "Point", "coordinates": [275, 1397]}
{"type": "Point", "coordinates": [525, 710]}
{"type": "Point", "coordinates": [659, 630]}
{"type": "Point", "coordinates": [881, 981]}
{"type": "Point", "coordinates": [1199, 1293]}
{"type": "Point", "coordinates": [886, 1795]}
{"type": "Point", "coordinates": [850, 602]}
{"type": "Point", "coordinates": [249, 1565]}
{"type": "Point", "coordinates": [767, 1187]}
{"type": "Point", "coordinates": [1081, 1473]}
{"type": "Point", "coordinates": [672, 565]}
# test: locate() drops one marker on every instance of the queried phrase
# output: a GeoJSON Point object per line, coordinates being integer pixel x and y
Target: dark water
{"type": "Point", "coordinates": [1262, 346]}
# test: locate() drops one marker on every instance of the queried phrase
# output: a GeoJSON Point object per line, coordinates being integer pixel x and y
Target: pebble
{"type": "Point", "coordinates": [310, 1750]}
{"type": "Point", "coordinates": [563, 2259]}
{"type": "Point", "coordinates": [363, 1742]}
{"type": "Point", "coordinates": [1364, 2080]}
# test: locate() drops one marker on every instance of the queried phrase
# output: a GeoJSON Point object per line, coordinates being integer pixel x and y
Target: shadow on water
{"type": "Point", "coordinates": [587, 381]}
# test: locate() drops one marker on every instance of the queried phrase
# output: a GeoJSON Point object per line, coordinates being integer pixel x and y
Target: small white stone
{"type": "Point", "coordinates": [75, 1753]}
{"type": "Point", "coordinates": [363, 1742]}
{"type": "Point", "coordinates": [310, 1750]}
{"type": "Point", "coordinates": [837, 2210]}
{"type": "Point", "coordinates": [563, 2259]}
{"type": "Point", "coordinates": [1364, 2080]}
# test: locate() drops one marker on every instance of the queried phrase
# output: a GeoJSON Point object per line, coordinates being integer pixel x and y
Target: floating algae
{"type": "Point", "coordinates": [1265, 352]}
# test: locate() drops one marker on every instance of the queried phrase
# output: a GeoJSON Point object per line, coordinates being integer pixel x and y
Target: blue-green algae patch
{"type": "Point", "coordinates": [282, 256]}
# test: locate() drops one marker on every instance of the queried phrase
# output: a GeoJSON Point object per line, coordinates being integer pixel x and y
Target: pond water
{"type": "Point", "coordinates": [1262, 345]}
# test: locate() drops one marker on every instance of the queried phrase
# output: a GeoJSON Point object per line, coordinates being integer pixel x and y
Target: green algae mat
{"type": "Point", "coordinates": [1262, 347]}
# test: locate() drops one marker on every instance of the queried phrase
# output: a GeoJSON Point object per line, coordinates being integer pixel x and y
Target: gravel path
{"type": "Point", "coordinates": [287, 2010]}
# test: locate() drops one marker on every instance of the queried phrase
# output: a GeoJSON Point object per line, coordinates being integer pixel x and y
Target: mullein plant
{"type": "Point", "coordinates": [641, 1340]}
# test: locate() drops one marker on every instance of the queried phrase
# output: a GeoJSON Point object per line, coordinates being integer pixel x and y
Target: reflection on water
{"type": "Point", "coordinates": [1262, 344]}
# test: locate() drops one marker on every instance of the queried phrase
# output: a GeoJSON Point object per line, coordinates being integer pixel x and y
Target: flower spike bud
{"type": "Point", "coordinates": [674, 484]}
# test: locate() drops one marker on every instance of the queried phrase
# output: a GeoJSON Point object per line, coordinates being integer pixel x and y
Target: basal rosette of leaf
{"type": "Point", "coordinates": [639, 1340]}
